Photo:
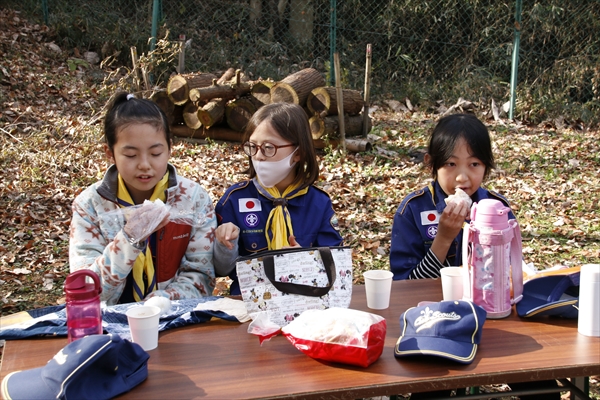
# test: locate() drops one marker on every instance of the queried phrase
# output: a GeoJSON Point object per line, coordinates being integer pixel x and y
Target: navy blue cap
{"type": "Point", "coordinates": [556, 295]}
{"type": "Point", "coordinates": [93, 367]}
{"type": "Point", "coordinates": [449, 329]}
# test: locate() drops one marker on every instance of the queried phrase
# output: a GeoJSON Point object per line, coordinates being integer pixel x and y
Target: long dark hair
{"type": "Point", "coordinates": [291, 123]}
{"type": "Point", "coordinates": [447, 133]}
{"type": "Point", "coordinates": [125, 109]}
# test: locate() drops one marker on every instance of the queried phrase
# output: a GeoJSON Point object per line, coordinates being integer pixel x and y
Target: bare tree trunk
{"type": "Point", "coordinates": [301, 20]}
{"type": "Point", "coordinates": [255, 10]}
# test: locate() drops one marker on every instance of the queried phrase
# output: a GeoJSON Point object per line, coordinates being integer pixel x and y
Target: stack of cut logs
{"type": "Point", "coordinates": [203, 105]}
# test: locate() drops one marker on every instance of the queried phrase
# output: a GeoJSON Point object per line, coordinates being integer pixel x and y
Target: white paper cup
{"type": "Point", "coordinates": [143, 324]}
{"type": "Point", "coordinates": [378, 285]}
{"type": "Point", "coordinates": [452, 283]}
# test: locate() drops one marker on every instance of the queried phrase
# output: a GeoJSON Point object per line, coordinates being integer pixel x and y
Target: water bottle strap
{"type": "Point", "coordinates": [467, 262]}
{"type": "Point", "coordinates": [516, 261]}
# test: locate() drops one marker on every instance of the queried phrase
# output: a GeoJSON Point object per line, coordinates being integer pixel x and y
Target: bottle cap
{"type": "Point", "coordinates": [490, 213]}
{"type": "Point", "coordinates": [77, 288]}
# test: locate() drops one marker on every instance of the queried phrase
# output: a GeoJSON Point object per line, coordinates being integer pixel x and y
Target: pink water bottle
{"type": "Point", "coordinates": [83, 304]}
{"type": "Point", "coordinates": [492, 255]}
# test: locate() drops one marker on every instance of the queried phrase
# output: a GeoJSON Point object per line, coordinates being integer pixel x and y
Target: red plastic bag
{"type": "Point", "coordinates": [339, 335]}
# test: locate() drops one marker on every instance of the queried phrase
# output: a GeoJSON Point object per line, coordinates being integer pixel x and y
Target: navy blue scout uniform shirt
{"type": "Point", "coordinates": [313, 219]}
{"type": "Point", "coordinates": [415, 226]}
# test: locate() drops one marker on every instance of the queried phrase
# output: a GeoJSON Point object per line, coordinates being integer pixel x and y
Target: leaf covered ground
{"type": "Point", "coordinates": [50, 133]}
{"type": "Point", "coordinates": [51, 104]}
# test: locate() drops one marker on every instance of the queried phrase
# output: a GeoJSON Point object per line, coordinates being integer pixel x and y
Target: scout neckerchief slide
{"type": "Point", "coordinates": [279, 224]}
{"type": "Point", "coordinates": [143, 264]}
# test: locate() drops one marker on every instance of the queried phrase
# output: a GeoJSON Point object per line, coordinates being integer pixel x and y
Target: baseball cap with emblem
{"type": "Point", "coordinates": [449, 329]}
{"type": "Point", "coordinates": [93, 367]}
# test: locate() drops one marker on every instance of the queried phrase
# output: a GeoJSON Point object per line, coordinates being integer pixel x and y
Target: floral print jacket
{"type": "Point", "coordinates": [99, 244]}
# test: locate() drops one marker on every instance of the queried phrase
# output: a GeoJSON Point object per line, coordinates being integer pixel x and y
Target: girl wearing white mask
{"type": "Point", "coordinates": [278, 206]}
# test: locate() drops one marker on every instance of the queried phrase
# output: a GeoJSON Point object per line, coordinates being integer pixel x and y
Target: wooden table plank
{"type": "Point", "coordinates": [219, 359]}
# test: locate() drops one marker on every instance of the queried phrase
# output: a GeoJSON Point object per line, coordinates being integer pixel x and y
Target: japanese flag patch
{"type": "Point", "coordinates": [249, 205]}
{"type": "Point", "coordinates": [430, 217]}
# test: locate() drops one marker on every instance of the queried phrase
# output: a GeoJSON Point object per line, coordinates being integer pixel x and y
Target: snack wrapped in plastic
{"type": "Point", "coordinates": [143, 219]}
{"type": "Point", "coordinates": [338, 334]}
{"type": "Point", "coordinates": [459, 196]}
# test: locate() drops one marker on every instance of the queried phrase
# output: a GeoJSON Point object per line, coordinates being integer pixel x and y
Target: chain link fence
{"type": "Point", "coordinates": [427, 51]}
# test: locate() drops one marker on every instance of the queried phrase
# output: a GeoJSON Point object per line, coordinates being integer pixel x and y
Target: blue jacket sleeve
{"type": "Point", "coordinates": [407, 247]}
{"type": "Point", "coordinates": [328, 233]}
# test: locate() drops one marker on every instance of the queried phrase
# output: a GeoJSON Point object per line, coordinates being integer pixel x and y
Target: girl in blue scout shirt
{"type": "Point", "coordinates": [278, 207]}
{"type": "Point", "coordinates": [175, 260]}
{"type": "Point", "coordinates": [427, 232]}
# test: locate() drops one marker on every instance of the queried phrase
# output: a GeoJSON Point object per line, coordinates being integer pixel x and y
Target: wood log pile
{"type": "Point", "coordinates": [202, 105]}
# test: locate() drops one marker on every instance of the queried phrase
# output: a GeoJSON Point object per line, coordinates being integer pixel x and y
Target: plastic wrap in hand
{"type": "Point", "coordinates": [338, 334]}
{"type": "Point", "coordinates": [142, 220]}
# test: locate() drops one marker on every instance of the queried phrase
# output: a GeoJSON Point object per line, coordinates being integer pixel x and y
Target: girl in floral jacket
{"type": "Point", "coordinates": [145, 254]}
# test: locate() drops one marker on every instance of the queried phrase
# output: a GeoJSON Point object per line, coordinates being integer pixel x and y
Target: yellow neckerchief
{"type": "Point", "coordinates": [143, 264]}
{"type": "Point", "coordinates": [279, 224]}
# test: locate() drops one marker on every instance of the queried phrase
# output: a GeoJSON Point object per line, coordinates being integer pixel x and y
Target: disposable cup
{"type": "Point", "coordinates": [143, 324]}
{"type": "Point", "coordinates": [378, 285]}
{"type": "Point", "coordinates": [452, 283]}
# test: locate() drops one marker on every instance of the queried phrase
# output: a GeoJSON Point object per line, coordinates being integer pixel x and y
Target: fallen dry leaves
{"type": "Point", "coordinates": [50, 138]}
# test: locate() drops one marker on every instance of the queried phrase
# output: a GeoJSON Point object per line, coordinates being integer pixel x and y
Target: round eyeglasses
{"type": "Point", "coordinates": [267, 149]}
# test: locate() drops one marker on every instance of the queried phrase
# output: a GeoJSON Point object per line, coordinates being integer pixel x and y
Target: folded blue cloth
{"type": "Point", "coordinates": [52, 321]}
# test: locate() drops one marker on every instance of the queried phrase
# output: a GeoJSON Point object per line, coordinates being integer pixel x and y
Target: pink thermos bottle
{"type": "Point", "coordinates": [492, 259]}
{"type": "Point", "coordinates": [83, 304]}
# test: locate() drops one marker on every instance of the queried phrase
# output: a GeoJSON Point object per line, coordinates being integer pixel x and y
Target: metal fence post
{"type": "Point", "coordinates": [332, 38]}
{"type": "Point", "coordinates": [155, 13]}
{"type": "Point", "coordinates": [45, 11]}
{"type": "Point", "coordinates": [515, 59]}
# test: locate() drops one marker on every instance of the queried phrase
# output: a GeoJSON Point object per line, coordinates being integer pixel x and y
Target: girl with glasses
{"type": "Point", "coordinates": [278, 206]}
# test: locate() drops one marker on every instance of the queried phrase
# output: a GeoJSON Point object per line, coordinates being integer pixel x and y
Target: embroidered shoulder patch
{"type": "Point", "coordinates": [334, 223]}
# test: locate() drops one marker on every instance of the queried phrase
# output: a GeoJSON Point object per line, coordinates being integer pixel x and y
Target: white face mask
{"type": "Point", "coordinates": [270, 173]}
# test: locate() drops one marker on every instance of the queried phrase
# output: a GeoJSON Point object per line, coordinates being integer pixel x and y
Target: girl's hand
{"type": "Point", "coordinates": [293, 243]}
{"type": "Point", "coordinates": [146, 220]}
{"type": "Point", "coordinates": [449, 226]}
{"type": "Point", "coordinates": [452, 220]}
{"type": "Point", "coordinates": [227, 234]}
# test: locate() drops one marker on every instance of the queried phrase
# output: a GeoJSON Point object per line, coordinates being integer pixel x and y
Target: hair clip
{"type": "Point", "coordinates": [130, 96]}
